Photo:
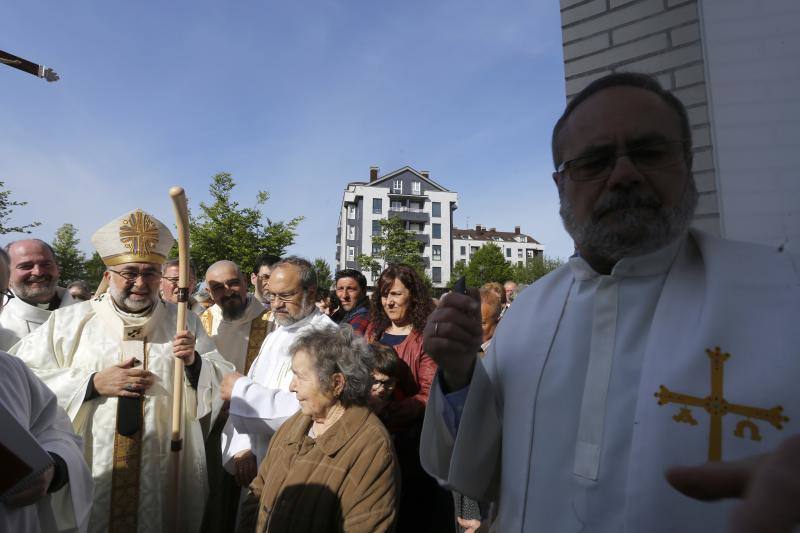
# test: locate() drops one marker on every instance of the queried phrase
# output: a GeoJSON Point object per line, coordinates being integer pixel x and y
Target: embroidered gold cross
{"type": "Point", "coordinates": [138, 233]}
{"type": "Point", "coordinates": [717, 406]}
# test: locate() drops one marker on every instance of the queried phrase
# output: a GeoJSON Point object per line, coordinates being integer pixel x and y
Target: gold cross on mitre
{"type": "Point", "coordinates": [717, 406]}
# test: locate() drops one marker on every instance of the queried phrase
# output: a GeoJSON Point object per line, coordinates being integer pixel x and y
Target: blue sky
{"type": "Point", "coordinates": [295, 98]}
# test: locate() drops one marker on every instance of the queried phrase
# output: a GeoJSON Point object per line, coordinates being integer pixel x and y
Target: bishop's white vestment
{"type": "Point", "coordinates": [261, 402]}
{"type": "Point", "coordinates": [35, 407]}
{"type": "Point", "coordinates": [82, 339]}
{"type": "Point", "coordinates": [595, 384]}
{"type": "Point", "coordinates": [20, 318]}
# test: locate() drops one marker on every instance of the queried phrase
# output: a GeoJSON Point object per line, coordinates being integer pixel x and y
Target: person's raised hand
{"type": "Point", "coordinates": [453, 336]}
{"type": "Point", "coordinates": [226, 387]}
{"type": "Point", "coordinates": [769, 486]}
{"type": "Point", "coordinates": [123, 379]}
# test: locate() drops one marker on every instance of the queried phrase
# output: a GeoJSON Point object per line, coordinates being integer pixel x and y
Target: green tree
{"type": "Point", "coordinates": [71, 261]}
{"type": "Point", "coordinates": [459, 269]}
{"type": "Point", "coordinates": [223, 230]}
{"type": "Point", "coordinates": [7, 206]}
{"type": "Point", "coordinates": [534, 269]}
{"type": "Point", "coordinates": [323, 271]}
{"type": "Point", "coordinates": [397, 245]}
{"type": "Point", "coordinates": [487, 264]}
{"type": "Point", "coordinates": [94, 269]}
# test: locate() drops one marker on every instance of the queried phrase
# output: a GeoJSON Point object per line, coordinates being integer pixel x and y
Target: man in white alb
{"type": "Point", "coordinates": [60, 498]}
{"type": "Point", "coordinates": [34, 282]}
{"type": "Point", "coordinates": [260, 402]}
{"type": "Point", "coordinates": [657, 345]}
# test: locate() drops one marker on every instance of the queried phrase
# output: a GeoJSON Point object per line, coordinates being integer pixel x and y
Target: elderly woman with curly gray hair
{"type": "Point", "coordinates": [331, 466]}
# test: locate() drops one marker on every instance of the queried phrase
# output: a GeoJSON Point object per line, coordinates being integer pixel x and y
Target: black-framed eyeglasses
{"type": "Point", "coordinates": [130, 276]}
{"type": "Point", "coordinates": [600, 164]}
{"type": "Point", "coordinates": [5, 297]}
{"type": "Point", "coordinates": [173, 280]}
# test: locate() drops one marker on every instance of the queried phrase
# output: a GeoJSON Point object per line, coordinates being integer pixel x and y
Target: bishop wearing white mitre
{"type": "Point", "coordinates": [110, 363]}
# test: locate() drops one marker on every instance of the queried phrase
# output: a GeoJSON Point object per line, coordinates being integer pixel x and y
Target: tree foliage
{"type": "Point", "coordinates": [397, 245]}
{"type": "Point", "coordinates": [487, 264]}
{"type": "Point", "coordinates": [7, 206]}
{"type": "Point", "coordinates": [224, 230]}
{"type": "Point", "coordinates": [94, 269]}
{"type": "Point", "coordinates": [71, 261]}
{"type": "Point", "coordinates": [324, 276]}
{"type": "Point", "coordinates": [459, 269]}
{"type": "Point", "coordinates": [534, 269]}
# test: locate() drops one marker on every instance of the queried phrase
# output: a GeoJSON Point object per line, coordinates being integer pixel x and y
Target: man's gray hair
{"type": "Point", "coordinates": [339, 350]}
{"type": "Point", "coordinates": [308, 277]}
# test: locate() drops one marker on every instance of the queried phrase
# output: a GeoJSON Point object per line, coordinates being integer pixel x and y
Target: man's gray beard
{"type": "Point", "coordinates": [288, 320]}
{"type": "Point", "coordinates": [642, 231]}
{"type": "Point", "coordinates": [126, 304]}
{"type": "Point", "coordinates": [36, 295]}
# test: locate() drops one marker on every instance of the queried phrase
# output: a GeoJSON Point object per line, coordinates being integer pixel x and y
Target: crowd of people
{"type": "Point", "coordinates": [309, 408]}
{"type": "Point", "coordinates": [273, 380]}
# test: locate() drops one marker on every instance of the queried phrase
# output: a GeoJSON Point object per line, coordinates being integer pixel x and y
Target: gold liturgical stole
{"type": "Point", "coordinates": [260, 327]}
{"type": "Point", "coordinates": [126, 469]}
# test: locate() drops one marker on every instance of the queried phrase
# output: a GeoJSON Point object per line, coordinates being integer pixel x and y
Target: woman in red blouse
{"type": "Point", "coordinates": [401, 306]}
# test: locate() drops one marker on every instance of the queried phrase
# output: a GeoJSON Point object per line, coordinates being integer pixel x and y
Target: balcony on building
{"type": "Point", "coordinates": [412, 214]}
{"type": "Point", "coordinates": [421, 237]}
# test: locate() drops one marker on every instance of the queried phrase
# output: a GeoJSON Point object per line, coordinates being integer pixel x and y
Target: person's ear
{"type": "Point", "coordinates": [557, 178]}
{"type": "Point", "coordinates": [338, 384]}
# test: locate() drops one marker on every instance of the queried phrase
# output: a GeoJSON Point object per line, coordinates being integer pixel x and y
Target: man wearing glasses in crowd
{"type": "Point", "coordinates": [260, 402]}
{"type": "Point", "coordinates": [169, 285]}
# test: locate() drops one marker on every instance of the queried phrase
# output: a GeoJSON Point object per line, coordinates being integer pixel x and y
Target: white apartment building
{"type": "Point", "coordinates": [517, 247]}
{"type": "Point", "coordinates": [411, 195]}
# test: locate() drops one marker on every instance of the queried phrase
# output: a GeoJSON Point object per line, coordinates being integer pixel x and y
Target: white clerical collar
{"type": "Point", "coordinates": [651, 264]}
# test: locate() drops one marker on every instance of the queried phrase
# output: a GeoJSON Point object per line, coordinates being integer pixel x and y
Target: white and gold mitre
{"type": "Point", "coordinates": [135, 237]}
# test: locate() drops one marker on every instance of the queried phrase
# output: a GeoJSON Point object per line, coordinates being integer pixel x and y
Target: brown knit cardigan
{"type": "Point", "coordinates": [345, 480]}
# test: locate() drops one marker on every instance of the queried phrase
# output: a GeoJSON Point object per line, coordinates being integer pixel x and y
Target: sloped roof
{"type": "Point", "coordinates": [488, 235]}
{"type": "Point", "coordinates": [404, 169]}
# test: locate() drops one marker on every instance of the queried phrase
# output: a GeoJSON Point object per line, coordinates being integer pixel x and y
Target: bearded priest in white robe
{"type": "Point", "coordinates": [110, 363]}
{"type": "Point", "coordinates": [34, 283]}
{"type": "Point", "coordinates": [655, 346]}
{"type": "Point", "coordinates": [61, 497]}
{"type": "Point", "coordinates": [261, 401]}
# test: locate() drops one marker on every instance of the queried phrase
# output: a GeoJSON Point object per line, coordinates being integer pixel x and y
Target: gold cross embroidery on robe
{"type": "Point", "coordinates": [717, 406]}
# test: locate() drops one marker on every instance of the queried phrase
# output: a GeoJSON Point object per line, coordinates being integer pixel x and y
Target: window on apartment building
{"type": "Point", "coordinates": [351, 212]}
{"type": "Point", "coordinates": [472, 250]}
{"type": "Point", "coordinates": [436, 209]}
{"type": "Point", "coordinates": [376, 227]}
{"type": "Point", "coordinates": [436, 231]}
{"type": "Point", "coordinates": [377, 206]}
{"type": "Point", "coordinates": [519, 253]}
{"type": "Point", "coordinates": [436, 274]}
{"type": "Point", "coordinates": [415, 206]}
{"type": "Point", "coordinates": [463, 250]}
{"type": "Point", "coordinates": [351, 253]}
{"type": "Point", "coordinates": [508, 252]}
{"type": "Point", "coordinates": [351, 233]}
{"type": "Point", "coordinates": [396, 205]}
{"type": "Point", "coordinates": [437, 252]}
{"type": "Point", "coordinates": [529, 253]}
{"type": "Point", "coordinates": [397, 186]}
{"type": "Point", "coordinates": [416, 226]}
{"type": "Point", "coordinates": [415, 187]}
{"type": "Point", "coordinates": [376, 249]}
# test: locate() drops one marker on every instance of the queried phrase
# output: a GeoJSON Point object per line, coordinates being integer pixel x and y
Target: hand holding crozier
{"type": "Point", "coordinates": [453, 336]}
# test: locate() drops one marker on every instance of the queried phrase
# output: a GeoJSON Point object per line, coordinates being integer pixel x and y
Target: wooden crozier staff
{"type": "Point", "coordinates": [182, 222]}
